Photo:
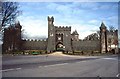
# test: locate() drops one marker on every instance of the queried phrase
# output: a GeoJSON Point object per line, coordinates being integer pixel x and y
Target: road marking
{"type": "Point", "coordinates": [77, 62]}
{"type": "Point", "coordinates": [117, 75]}
{"type": "Point", "coordinates": [55, 65]}
{"type": "Point", "coordinates": [7, 70]}
{"type": "Point", "coordinates": [80, 61]}
{"type": "Point", "coordinates": [110, 58]}
{"type": "Point", "coordinates": [18, 68]}
{"type": "Point", "coordinates": [83, 61]}
{"type": "Point", "coordinates": [40, 66]}
{"type": "Point", "coordinates": [10, 69]}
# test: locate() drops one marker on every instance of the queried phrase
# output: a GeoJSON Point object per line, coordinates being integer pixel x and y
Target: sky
{"type": "Point", "coordinates": [85, 17]}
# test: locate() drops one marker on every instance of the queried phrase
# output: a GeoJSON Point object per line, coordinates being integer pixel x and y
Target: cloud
{"type": "Point", "coordinates": [89, 5]}
{"type": "Point", "coordinates": [115, 18]}
{"type": "Point", "coordinates": [93, 21]}
{"type": "Point", "coordinates": [108, 6]}
{"type": "Point", "coordinates": [99, 6]}
{"type": "Point", "coordinates": [52, 6]}
{"type": "Point", "coordinates": [83, 17]}
{"type": "Point", "coordinates": [38, 27]}
{"type": "Point", "coordinates": [64, 0]}
{"type": "Point", "coordinates": [34, 27]}
{"type": "Point", "coordinates": [112, 21]}
{"type": "Point", "coordinates": [84, 30]}
{"type": "Point", "coordinates": [59, 8]}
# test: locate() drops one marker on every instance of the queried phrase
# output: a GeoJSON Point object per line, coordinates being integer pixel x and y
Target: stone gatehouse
{"type": "Point", "coordinates": [59, 38]}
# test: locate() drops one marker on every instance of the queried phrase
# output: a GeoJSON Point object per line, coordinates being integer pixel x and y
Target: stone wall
{"type": "Point", "coordinates": [34, 45]}
{"type": "Point", "coordinates": [66, 31]}
{"type": "Point", "coordinates": [63, 28]}
{"type": "Point", "coordinates": [87, 45]}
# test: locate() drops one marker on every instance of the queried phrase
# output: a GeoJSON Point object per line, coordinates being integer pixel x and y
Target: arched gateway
{"type": "Point", "coordinates": [59, 38]}
{"type": "Point", "coordinates": [60, 46]}
{"type": "Point", "coordinates": [59, 42]}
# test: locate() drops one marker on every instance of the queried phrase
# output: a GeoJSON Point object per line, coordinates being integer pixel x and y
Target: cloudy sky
{"type": "Point", "coordinates": [85, 17]}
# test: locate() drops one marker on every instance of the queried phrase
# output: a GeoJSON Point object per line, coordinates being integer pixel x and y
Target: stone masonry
{"type": "Point", "coordinates": [59, 38]}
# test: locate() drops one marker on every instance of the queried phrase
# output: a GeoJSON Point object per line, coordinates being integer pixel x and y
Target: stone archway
{"type": "Point", "coordinates": [59, 46]}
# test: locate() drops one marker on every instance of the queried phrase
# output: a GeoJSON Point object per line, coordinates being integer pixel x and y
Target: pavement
{"type": "Point", "coordinates": [74, 56]}
{"type": "Point", "coordinates": [59, 65]}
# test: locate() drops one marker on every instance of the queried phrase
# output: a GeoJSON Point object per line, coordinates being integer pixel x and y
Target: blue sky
{"type": "Point", "coordinates": [85, 17]}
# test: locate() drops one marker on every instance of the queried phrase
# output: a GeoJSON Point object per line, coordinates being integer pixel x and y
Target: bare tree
{"type": "Point", "coordinates": [93, 36]}
{"type": "Point", "coordinates": [111, 28]}
{"type": "Point", "coordinates": [9, 12]}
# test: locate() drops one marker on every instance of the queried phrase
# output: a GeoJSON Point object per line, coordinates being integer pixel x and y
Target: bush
{"type": "Point", "coordinates": [78, 52]}
{"type": "Point", "coordinates": [35, 52]}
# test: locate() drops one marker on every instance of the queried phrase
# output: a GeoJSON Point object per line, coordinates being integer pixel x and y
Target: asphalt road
{"type": "Point", "coordinates": [58, 65]}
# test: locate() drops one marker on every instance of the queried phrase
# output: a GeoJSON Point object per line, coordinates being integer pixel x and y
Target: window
{"type": "Point", "coordinates": [51, 34]}
{"type": "Point", "coordinates": [59, 38]}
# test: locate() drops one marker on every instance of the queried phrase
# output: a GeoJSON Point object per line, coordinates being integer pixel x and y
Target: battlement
{"type": "Point", "coordinates": [63, 27]}
{"type": "Point", "coordinates": [67, 27]}
{"type": "Point", "coordinates": [34, 40]}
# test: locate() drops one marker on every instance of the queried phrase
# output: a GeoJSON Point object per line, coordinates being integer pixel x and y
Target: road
{"type": "Point", "coordinates": [59, 65]}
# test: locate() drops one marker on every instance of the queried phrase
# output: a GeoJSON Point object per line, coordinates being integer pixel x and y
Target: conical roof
{"type": "Point", "coordinates": [75, 33]}
{"type": "Point", "coordinates": [102, 25]}
{"type": "Point", "coordinates": [17, 24]}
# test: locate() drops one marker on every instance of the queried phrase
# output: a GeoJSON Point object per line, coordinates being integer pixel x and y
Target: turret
{"type": "Point", "coordinates": [102, 27]}
{"type": "Point", "coordinates": [17, 25]}
{"type": "Point", "coordinates": [75, 36]}
{"type": "Point", "coordinates": [50, 20]}
{"type": "Point", "coordinates": [103, 38]}
{"type": "Point", "coordinates": [51, 34]}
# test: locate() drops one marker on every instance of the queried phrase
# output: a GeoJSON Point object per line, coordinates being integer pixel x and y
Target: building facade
{"type": "Point", "coordinates": [60, 38]}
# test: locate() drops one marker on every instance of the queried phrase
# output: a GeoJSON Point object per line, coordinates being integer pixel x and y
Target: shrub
{"type": "Point", "coordinates": [35, 52]}
{"type": "Point", "coordinates": [78, 52]}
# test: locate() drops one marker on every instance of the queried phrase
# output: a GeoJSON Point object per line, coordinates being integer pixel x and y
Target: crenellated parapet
{"type": "Point", "coordinates": [63, 28]}
{"type": "Point", "coordinates": [35, 40]}
{"type": "Point", "coordinates": [34, 44]}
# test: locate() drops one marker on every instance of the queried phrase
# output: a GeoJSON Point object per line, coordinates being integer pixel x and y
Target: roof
{"type": "Point", "coordinates": [75, 33]}
{"type": "Point", "coordinates": [103, 25]}
{"type": "Point", "coordinates": [17, 24]}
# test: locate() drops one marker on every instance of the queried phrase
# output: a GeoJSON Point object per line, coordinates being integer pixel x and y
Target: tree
{"type": "Point", "coordinates": [111, 28]}
{"type": "Point", "coordinates": [93, 36]}
{"type": "Point", "coordinates": [9, 12]}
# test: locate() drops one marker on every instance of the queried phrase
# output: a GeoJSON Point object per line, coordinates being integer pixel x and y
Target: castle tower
{"type": "Point", "coordinates": [75, 36]}
{"type": "Point", "coordinates": [18, 28]}
{"type": "Point", "coordinates": [67, 40]}
{"type": "Point", "coordinates": [12, 38]}
{"type": "Point", "coordinates": [51, 35]}
{"type": "Point", "coordinates": [103, 38]}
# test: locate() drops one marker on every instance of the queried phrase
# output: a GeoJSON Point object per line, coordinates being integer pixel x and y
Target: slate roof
{"type": "Point", "coordinates": [103, 25]}
{"type": "Point", "coordinates": [75, 33]}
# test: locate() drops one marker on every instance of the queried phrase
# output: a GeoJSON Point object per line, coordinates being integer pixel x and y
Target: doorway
{"type": "Point", "coordinates": [59, 46]}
